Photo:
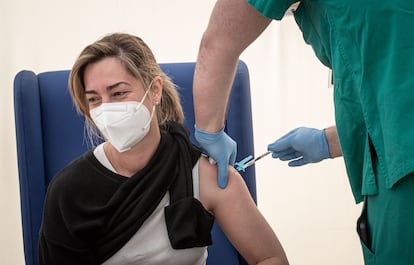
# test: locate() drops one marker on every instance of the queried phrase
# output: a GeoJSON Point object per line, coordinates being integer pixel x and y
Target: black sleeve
{"type": "Point", "coordinates": [65, 234]}
{"type": "Point", "coordinates": [51, 253]}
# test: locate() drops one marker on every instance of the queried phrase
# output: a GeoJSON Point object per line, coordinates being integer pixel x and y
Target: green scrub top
{"type": "Point", "coordinates": [369, 45]}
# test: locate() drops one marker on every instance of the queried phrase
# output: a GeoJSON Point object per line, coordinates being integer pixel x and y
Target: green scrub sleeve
{"type": "Point", "coordinates": [274, 9]}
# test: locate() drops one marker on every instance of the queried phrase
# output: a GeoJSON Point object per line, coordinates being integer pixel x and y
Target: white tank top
{"type": "Point", "coordinates": [150, 244]}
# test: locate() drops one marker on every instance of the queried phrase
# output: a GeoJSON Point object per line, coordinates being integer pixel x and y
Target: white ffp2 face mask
{"type": "Point", "coordinates": [123, 124]}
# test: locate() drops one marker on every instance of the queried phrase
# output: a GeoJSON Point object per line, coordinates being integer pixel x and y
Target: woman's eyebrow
{"type": "Point", "coordinates": [109, 88]}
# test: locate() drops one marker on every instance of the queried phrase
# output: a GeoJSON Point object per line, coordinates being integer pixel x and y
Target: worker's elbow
{"type": "Point", "coordinates": [274, 261]}
{"type": "Point", "coordinates": [210, 43]}
{"type": "Point", "coordinates": [217, 45]}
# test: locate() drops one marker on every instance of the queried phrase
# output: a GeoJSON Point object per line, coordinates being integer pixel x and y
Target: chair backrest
{"type": "Point", "coordinates": [50, 133]}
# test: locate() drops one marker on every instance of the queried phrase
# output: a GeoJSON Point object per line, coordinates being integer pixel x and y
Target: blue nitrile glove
{"type": "Point", "coordinates": [220, 147]}
{"type": "Point", "coordinates": [301, 146]}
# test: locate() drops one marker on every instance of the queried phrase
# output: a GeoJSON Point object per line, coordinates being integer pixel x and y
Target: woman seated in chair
{"type": "Point", "coordinates": [145, 195]}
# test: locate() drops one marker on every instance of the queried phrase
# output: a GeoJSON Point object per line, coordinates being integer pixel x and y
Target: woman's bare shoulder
{"type": "Point", "coordinates": [210, 193]}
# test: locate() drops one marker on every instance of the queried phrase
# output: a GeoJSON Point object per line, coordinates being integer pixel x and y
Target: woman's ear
{"type": "Point", "coordinates": [156, 90]}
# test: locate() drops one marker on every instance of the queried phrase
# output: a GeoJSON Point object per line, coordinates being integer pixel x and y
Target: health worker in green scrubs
{"type": "Point", "coordinates": [369, 45]}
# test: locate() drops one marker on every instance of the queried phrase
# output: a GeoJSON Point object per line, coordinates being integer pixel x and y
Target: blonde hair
{"type": "Point", "coordinates": [138, 60]}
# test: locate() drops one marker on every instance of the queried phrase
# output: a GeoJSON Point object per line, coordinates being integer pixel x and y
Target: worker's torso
{"type": "Point", "coordinates": [370, 47]}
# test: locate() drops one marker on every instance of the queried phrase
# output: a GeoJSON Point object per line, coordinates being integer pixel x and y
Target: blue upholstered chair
{"type": "Point", "coordinates": [50, 133]}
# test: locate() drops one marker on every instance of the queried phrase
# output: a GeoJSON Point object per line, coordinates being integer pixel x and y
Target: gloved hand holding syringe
{"type": "Point", "coordinates": [300, 147]}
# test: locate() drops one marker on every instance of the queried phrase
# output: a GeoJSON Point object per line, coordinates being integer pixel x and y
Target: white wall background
{"type": "Point", "coordinates": [311, 208]}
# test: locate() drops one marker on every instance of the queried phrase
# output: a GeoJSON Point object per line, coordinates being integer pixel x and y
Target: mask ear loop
{"type": "Point", "coordinates": [145, 95]}
{"type": "Point", "coordinates": [153, 107]}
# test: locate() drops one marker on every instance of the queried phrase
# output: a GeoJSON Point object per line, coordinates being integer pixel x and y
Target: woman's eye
{"type": "Point", "coordinates": [93, 100]}
{"type": "Point", "coordinates": [119, 93]}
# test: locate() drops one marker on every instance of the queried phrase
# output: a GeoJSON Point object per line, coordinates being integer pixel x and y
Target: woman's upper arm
{"type": "Point", "coordinates": [239, 218]}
